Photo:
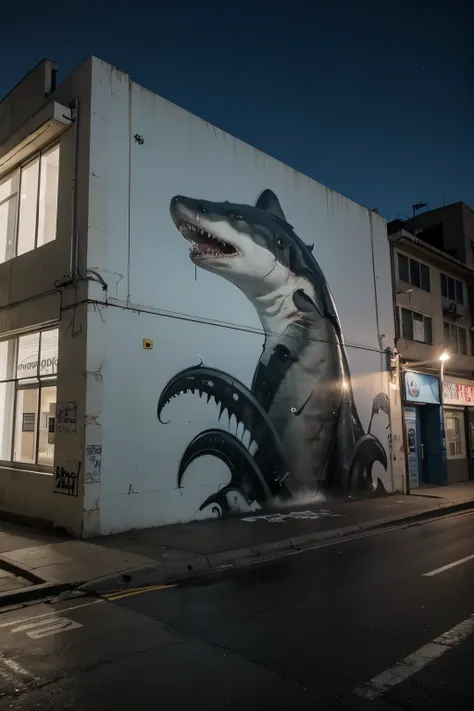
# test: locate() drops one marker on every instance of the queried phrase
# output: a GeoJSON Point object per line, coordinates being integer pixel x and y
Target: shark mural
{"type": "Point", "coordinates": [300, 409]}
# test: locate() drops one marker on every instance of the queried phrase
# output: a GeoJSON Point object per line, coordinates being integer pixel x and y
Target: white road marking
{"type": "Point", "coordinates": [447, 567]}
{"type": "Point", "coordinates": [6, 677]}
{"type": "Point", "coordinates": [294, 515]}
{"type": "Point", "coordinates": [47, 627]}
{"type": "Point", "coordinates": [49, 614]}
{"type": "Point", "coordinates": [16, 668]}
{"type": "Point", "coordinates": [413, 663]}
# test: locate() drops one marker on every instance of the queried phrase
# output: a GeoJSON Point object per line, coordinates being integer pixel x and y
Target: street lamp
{"type": "Point", "coordinates": [443, 358]}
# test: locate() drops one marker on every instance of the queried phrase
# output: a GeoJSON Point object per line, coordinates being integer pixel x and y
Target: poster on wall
{"type": "Point", "coordinates": [66, 417]}
{"type": "Point", "coordinates": [28, 424]}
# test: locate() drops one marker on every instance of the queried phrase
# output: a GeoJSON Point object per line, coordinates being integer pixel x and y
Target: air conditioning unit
{"type": "Point", "coordinates": [451, 310]}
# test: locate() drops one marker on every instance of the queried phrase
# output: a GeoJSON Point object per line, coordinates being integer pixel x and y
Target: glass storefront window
{"type": "Point", "coordinates": [24, 449]}
{"type": "Point", "coordinates": [455, 445]}
{"type": "Point", "coordinates": [48, 362]}
{"type": "Point", "coordinates": [27, 360]}
{"type": "Point", "coordinates": [7, 399]}
{"type": "Point", "coordinates": [47, 413]}
{"type": "Point", "coordinates": [28, 370]}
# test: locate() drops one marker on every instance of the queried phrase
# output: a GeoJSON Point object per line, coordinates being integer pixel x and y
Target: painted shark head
{"type": "Point", "coordinates": [253, 247]}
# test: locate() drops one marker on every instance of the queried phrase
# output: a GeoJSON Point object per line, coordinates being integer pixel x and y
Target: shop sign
{"type": "Point", "coordinates": [458, 394]}
{"type": "Point", "coordinates": [421, 388]}
{"type": "Point", "coordinates": [47, 366]}
{"type": "Point", "coordinates": [37, 354]}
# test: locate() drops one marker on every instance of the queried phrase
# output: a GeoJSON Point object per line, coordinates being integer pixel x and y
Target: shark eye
{"type": "Point", "coordinates": [283, 353]}
{"type": "Point", "coordinates": [279, 243]}
{"type": "Point", "coordinates": [202, 208]}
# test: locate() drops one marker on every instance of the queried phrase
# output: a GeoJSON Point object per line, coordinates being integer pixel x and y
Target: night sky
{"type": "Point", "coordinates": [376, 103]}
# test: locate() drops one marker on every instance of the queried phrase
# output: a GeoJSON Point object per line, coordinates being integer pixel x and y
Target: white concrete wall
{"type": "Point", "coordinates": [155, 292]}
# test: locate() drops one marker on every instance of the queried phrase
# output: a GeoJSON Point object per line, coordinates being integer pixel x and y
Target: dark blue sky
{"type": "Point", "coordinates": [376, 103]}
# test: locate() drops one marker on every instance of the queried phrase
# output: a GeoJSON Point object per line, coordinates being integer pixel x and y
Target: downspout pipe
{"type": "Point", "coordinates": [74, 254]}
{"type": "Point", "coordinates": [394, 293]}
{"type": "Point", "coordinates": [74, 276]}
{"type": "Point", "coordinates": [380, 336]}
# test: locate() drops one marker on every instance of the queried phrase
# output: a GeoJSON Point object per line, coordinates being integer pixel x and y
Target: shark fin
{"type": "Point", "coordinates": [246, 475]}
{"type": "Point", "coordinates": [268, 202]}
{"type": "Point", "coordinates": [367, 451]}
{"type": "Point", "coordinates": [304, 303]}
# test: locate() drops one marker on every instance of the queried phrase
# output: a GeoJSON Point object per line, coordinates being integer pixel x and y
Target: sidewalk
{"type": "Point", "coordinates": [52, 563]}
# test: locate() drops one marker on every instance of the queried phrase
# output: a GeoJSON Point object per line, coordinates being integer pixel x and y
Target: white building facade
{"type": "Point", "coordinates": [139, 386]}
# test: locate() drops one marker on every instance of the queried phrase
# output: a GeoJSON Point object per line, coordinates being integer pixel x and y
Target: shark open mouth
{"type": "Point", "coordinates": [206, 244]}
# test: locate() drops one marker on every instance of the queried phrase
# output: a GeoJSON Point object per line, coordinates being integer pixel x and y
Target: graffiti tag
{"type": "Point", "coordinates": [93, 463]}
{"type": "Point", "coordinates": [67, 482]}
{"type": "Point", "coordinates": [294, 515]}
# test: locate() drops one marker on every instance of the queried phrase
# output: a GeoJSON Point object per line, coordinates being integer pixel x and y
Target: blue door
{"type": "Point", "coordinates": [433, 445]}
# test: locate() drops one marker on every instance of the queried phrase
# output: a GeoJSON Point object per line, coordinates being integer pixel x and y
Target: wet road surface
{"type": "Point", "coordinates": [378, 622]}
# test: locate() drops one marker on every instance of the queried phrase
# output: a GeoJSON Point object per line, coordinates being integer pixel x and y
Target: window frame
{"type": "Point", "coordinates": [14, 196]}
{"type": "Point", "coordinates": [457, 288]}
{"type": "Point", "coordinates": [37, 155]}
{"type": "Point", "coordinates": [32, 381]}
{"type": "Point", "coordinates": [414, 265]}
{"type": "Point", "coordinates": [459, 416]}
{"type": "Point", "coordinates": [463, 330]}
{"type": "Point", "coordinates": [418, 313]}
{"type": "Point", "coordinates": [450, 342]}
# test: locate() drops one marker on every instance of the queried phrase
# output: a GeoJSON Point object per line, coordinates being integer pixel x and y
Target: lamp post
{"type": "Point", "coordinates": [443, 358]}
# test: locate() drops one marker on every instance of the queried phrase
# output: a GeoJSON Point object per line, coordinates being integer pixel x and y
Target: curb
{"type": "Point", "coordinates": [39, 587]}
{"type": "Point", "coordinates": [20, 572]}
{"type": "Point", "coordinates": [199, 564]}
{"type": "Point", "coordinates": [31, 593]}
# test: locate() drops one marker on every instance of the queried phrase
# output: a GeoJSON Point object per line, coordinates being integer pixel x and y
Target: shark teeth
{"type": "Point", "coordinates": [205, 244]}
{"type": "Point", "coordinates": [241, 431]}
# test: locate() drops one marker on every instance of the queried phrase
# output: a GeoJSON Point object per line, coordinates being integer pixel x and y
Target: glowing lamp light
{"type": "Point", "coordinates": [444, 356]}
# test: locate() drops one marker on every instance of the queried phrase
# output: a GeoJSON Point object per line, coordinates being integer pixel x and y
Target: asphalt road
{"type": "Point", "coordinates": [355, 625]}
